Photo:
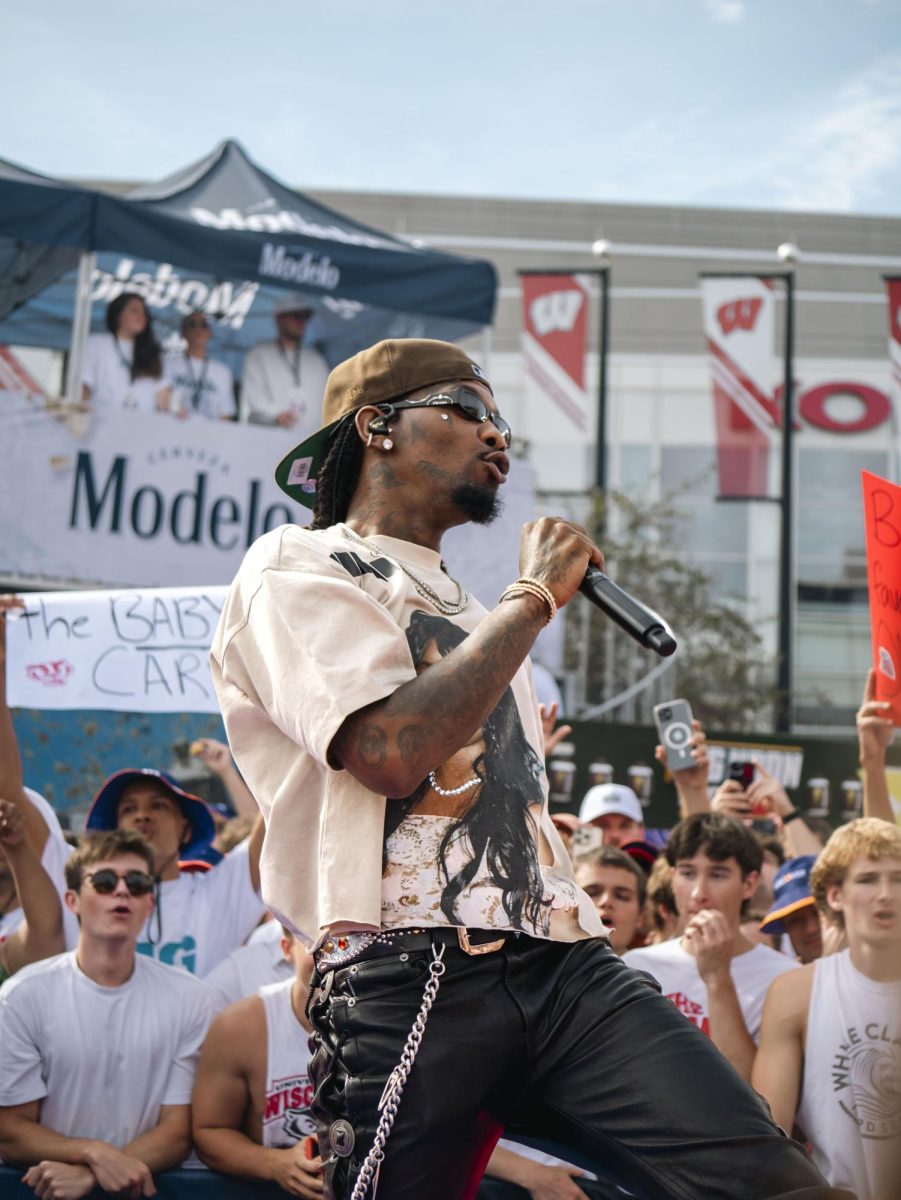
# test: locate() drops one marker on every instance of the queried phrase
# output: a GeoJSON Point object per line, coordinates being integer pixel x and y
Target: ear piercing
{"type": "Point", "coordinates": [445, 417]}
{"type": "Point", "coordinates": [387, 444]}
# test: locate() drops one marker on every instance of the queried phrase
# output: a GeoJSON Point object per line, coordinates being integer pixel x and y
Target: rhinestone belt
{"type": "Point", "coordinates": [341, 949]}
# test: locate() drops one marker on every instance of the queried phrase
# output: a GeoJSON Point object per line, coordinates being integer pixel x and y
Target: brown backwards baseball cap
{"type": "Point", "coordinates": [386, 371]}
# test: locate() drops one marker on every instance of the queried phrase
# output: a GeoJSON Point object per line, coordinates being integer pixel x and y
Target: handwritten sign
{"type": "Point", "coordinates": [128, 651]}
{"type": "Point", "coordinates": [882, 515]}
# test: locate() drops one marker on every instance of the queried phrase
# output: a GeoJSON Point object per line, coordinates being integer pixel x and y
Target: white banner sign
{"type": "Point", "coordinates": [128, 651]}
{"type": "Point", "coordinates": [134, 499]}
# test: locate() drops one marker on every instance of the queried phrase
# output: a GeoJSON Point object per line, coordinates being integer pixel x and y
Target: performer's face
{"type": "Point", "coordinates": [462, 461]}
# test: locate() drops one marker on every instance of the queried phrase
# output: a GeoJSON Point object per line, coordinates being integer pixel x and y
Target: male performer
{"type": "Point", "coordinates": [387, 726]}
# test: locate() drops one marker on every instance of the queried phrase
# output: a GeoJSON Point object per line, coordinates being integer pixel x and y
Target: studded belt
{"type": "Point", "coordinates": [339, 950]}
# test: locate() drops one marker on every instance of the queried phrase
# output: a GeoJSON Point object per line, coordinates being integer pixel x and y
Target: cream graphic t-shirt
{"type": "Point", "coordinates": [316, 627]}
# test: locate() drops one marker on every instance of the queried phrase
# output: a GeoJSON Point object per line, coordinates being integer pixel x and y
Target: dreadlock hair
{"type": "Point", "coordinates": [338, 475]}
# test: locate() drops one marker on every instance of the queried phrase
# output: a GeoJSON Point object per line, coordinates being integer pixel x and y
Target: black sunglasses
{"type": "Point", "coordinates": [105, 881]}
{"type": "Point", "coordinates": [470, 404]}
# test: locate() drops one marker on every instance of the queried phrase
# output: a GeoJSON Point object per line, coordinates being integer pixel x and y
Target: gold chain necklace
{"type": "Point", "coordinates": [450, 608]}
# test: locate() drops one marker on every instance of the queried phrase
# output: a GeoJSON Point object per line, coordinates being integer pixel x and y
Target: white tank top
{"type": "Point", "coordinates": [286, 1116]}
{"type": "Point", "coordinates": [851, 1096]}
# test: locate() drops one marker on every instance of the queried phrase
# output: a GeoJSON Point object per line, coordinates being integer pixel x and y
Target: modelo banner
{"type": "Point", "coordinates": [134, 499]}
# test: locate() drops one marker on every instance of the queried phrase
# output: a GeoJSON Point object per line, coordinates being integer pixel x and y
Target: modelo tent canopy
{"type": "Point", "coordinates": [225, 219]}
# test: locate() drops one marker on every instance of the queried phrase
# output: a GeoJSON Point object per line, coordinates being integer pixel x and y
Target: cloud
{"type": "Point", "coordinates": [842, 158]}
{"type": "Point", "coordinates": [726, 12]}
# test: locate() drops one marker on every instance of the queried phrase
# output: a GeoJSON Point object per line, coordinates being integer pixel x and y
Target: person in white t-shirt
{"type": "Point", "coordinates": [713, 973]}
{"type": "Point", "coordinates": [283, 383]}
{"type": "Point", "coordinates": [98, 1047]}
{"type": "Point", "coordinates": [201, 386]}
{"type": "Point", "coordinates": [830, 1047]}
{"type": "Point", "coordinates": [200, 915]}
{"type": "Point", "coordinates": [251, 1106]}
{"type": "Point", "coordinates": [123, 367]}
{"type": "Point", "coordinates": [261, 961]}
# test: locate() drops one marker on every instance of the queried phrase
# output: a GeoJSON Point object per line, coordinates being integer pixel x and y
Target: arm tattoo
{"type": "Point", "coordinates": [372, 745]}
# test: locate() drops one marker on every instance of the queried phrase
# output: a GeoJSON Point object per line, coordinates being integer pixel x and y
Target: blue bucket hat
{"type": "Point", "coordinates": [791, 892]}
{"type": "Point", "coordinates": [103, 811]}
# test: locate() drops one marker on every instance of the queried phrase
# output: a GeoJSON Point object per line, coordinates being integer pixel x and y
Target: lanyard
{"type": "Point", "coordinates": [196, 383]}
{"type": "Point", "coordinates": [293, 362]}
{"type": "Point", "coordinates": [129, 366]}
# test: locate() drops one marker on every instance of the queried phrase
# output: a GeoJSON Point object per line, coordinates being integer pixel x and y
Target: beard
{"type": "Point", "coordinates": [479, 504]}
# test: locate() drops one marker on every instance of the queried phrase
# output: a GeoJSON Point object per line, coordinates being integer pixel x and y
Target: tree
{"type": "Point", "coordinates": [720, 668]}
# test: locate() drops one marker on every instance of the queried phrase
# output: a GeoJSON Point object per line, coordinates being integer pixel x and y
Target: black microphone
{"type": "Point", "coordinates": [639, 622]}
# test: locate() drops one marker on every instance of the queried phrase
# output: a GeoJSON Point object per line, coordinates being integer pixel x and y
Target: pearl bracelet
{"type": "Point", "coordinates": [533, 587]}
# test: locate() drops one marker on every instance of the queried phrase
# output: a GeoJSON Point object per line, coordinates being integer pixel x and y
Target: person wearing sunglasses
{"type": "Point", "coordinates": [201, 386]}
{"type": "Point", "coordinates": [387, 725]}
{"type": "Point", "coordinates": [199, 916]}
{"type": "Point", "coordinates": [99, 1046]}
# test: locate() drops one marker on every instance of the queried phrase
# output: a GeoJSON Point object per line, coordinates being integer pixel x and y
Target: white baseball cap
{"type": "Point", "coordinates": [293, 302]}
{"type": "Point", "coordinates": [610, 798]}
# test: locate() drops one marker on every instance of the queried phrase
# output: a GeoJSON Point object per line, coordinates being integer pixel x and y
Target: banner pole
{"type": "Point", "coordinates": [600, 460]}
{"type": "Point", "coordinates": [81, 327]}
{"type": "Point", "coordinates": [786, 573]}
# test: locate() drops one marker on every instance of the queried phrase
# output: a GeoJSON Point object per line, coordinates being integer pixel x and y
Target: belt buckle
{"type": "Point", "coordinates": [341, 949]}
{"type": "Point", "coordinates": [484, 948]}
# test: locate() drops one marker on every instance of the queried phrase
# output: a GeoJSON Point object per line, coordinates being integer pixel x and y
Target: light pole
{"type": "Point", "coordinates": [601, 252]}
{"type": "Point", "coordinates": [789, 255]}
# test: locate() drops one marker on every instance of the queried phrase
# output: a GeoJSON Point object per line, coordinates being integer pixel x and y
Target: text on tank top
{"type": "Point", "coordinates": [850, 1105]}
{"type": "Point", "coordinates": [289, 1093]}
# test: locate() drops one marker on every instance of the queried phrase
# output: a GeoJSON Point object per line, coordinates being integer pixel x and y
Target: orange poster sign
{"type": "Point", "coordinates": [882, 515]}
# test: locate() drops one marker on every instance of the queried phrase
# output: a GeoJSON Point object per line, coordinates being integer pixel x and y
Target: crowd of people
{"type": "Point", "coordinates": [281, 384]}
{"type": "Point", "coordinates": [145, 953]}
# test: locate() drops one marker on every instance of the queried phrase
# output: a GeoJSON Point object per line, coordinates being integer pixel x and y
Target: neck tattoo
{"type": "Point", "coordinates": [450, 608]}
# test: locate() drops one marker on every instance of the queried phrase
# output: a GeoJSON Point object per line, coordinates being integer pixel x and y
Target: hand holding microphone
{"type": "Point", "coordinates": [554, 551]}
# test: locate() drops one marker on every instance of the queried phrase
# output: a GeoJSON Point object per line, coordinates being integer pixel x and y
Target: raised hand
{"type": "Point", "coordinates": [874, 729]}
{"type": "Point", "coordinates": [557, 554]}
{"type": "Point", "coordinates": [552, 737]}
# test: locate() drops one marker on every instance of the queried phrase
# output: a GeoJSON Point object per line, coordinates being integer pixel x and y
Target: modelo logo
{"type": "Point", "coordinates": [191, 516]}
{"type": "Point", "coordinates": [277, 263]}
{"type": "Point", "coordinates": [228, 303]}
{"type": "Point", "coordinates": [285, 221]}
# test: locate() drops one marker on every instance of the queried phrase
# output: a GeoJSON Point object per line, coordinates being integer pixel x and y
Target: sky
{"type": "Point", "coordinates": [786, 104]}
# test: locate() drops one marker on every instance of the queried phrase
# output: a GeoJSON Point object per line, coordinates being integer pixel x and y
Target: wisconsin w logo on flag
{"type": "Point", "coordinates": [555, 327]}
{"type": "Point", "coordinates": [739, 324]}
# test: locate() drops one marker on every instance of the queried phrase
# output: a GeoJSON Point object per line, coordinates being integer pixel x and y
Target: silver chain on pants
{"type": "Point", "coordinates": [390, 1101]}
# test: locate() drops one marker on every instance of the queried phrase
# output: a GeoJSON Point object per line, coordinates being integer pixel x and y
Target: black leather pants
{"type": "Point", "coordinates": [562, 1040]}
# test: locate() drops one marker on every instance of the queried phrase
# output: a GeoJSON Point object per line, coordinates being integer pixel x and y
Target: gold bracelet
{"type": "Point", "coordinates": [533, 587]}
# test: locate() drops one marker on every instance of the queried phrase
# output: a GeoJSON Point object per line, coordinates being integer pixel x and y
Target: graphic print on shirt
{"type": "Point", "coordinates": [287, 1117]}
{"type": "Point", "coordinates": [174, 954]}
{"type": "Point", "coordinates": [866, 1080]}
{"type": "Point", "coordinates": [493, 814]}
{"type": "Point", "coordinates": [695, 1012]}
